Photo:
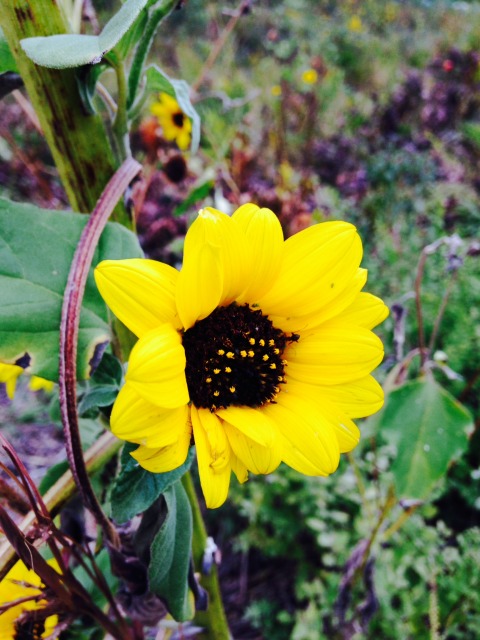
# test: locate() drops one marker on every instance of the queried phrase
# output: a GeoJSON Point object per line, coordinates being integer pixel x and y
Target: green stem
{"type": "Point", "coordinates": [78, 142]}
{"type": "Point", "coordinates": [213, 620]}
{"type": "Point", "coordinates": [120, 124]}
{"type": "Point", "coordinates": [143, 48]}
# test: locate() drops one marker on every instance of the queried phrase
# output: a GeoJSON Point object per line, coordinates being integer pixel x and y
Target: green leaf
{"type": "Point", "coordinates": [7, 61]}
{"type": "Point", "coordinates": [429, 429]}
{"type": "Point", "coordinates": [159, 82]}
{"type": "Point", "coordinates": [98, 396]}
{"type": "Point", "coordinates": [72, 50]}
{"type": "Point", "coordinates": [36, 250]}
{"type": "Point", "coordinates": [135, 489]}
{"type": "Point", "coordinates": [109, 371]}
{"type": "Point", "coordinates": [170, 555]}
{"type": "Point", "coordinates": [151, 22]}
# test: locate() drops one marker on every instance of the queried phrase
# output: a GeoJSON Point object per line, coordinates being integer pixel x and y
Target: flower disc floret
{"type": "Point", "coordinates": [234, 357]}
{"type": "Point", "coordinates": [259, 349]}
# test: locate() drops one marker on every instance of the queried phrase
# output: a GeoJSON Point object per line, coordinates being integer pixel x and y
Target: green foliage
{"type": "Point", "coordinates": [170, 554]}
{"type": "Point", "coordinates": [36, 251]}
{"type": "Point", "coordinates": [71, 50]}
{"type": "Point", "coordinates": [428, 429]}
{"type": "Point", "coordinates": [136, 489]}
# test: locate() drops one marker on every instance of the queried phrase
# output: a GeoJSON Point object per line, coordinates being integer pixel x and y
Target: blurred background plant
{"type": "Point", "coordinates": [369, 112]}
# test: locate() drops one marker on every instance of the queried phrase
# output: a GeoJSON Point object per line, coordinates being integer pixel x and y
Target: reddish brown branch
{"type": "Point", "coordinates": [69, 335]}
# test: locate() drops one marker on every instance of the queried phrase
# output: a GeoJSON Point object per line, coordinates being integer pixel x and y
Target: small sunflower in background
{"type": "Point", "coordinates": [259, 348]}
{"type": "Point", "coordinates": [175, 124]}
{"type": "Point", "coordinates": [23, 587]}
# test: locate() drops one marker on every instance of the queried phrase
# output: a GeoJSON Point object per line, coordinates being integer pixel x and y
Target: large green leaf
{"type": "Point", "coordinates": [429, 429]}
{"type": "Point", "coordinates": [159, 82]}
{"type": "Point", "coordinates": [71, 50]}
{"type": "Point", "coordinates": [135, 489]}
{"type": "Point", "coordinates": [170, 554]}
{"type": "Point", "coordinates": [36, 250]}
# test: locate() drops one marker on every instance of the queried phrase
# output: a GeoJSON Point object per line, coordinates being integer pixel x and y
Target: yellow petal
{"type": "Point", "coordinates": [141, 293]}
{"type": "Point", "coordinates": [156, 369]}
{"type": "Point", "coordinates": [307, 431]}
{"type": "Point", "coordinates": [200, 284]}
{"type": "Point", "coordinates": [252, 422]}
{"type": "Point", "coordinates": [164, 459]}
{"type": "Point", "coordinates": [357, 399]}
{"type": "Point", "coordinates": [319, 262]}
{"type": "Point", "coordinates": [347, 432]}
{"type": "Point", "coordinates": [255, 457]}
{"type": "Point", "coordinates": [213, 467]}
{"type": "Point", "coordinates": [9, 374]}
{"type": "Point", "coordinates": [238, 468]}
{"type": "Point", "coordinates": [225, 237]}
{"type": "Point", "coordinates": [366, 310]}
{"type": "Point", "coordinates": [264, 235]}
{"type": "Point", "coordinates": [299, 324]}
{"type": "Point", "coordinates": [136, 420]}
{"type": "Point", "coordinates": [333, 354]}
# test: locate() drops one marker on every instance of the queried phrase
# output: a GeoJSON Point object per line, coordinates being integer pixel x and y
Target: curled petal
{"type": "Point", "coordinates": [254, 456]}
{"type": "Point", "coordinates": [251, 422]}
{"type": "Point", "coordinates": [213, 455]}
{"type": "Point", "coordinates": [264, 235]}
{"type": "Point", "coordinates": [156, 370]}
{"type": "Point", "coordinates": [137, 420]}
{"type": "Point", "coordinates": [163, 459]}
{"type": "Point", "coordinates": [229, 246]}
{"type": "Point", "coordinates": [200, 284]}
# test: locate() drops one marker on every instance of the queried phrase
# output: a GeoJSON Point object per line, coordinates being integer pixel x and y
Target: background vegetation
{"type": "Point", "coordinates": [369, 112]}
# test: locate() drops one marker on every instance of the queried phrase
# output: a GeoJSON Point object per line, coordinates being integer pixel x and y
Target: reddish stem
{"type": "Point", "coordinates": [69, 327]}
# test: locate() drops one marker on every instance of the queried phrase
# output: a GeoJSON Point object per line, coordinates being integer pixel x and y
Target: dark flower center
{"type": "Point", "coordinates": [178, 119]}
{"type": "Point", "coordinates": [234, 357]}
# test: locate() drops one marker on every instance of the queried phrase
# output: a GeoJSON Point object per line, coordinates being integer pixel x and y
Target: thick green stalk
{"type": "Point", "coordinates": [78, 141]}
{"type": "Point", "coordinates": [213, 620]}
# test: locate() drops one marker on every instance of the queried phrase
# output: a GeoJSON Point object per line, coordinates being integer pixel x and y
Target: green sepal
{"type": "Point", "coordinates": [136, 489]}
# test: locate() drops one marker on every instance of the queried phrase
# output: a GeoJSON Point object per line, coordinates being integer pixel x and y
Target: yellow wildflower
{"type": "Point", "coordinates": [310, 76]}
{"type": "Point", "coordinates": [175, 124]}
{"type": "Point", "coordinates": [199, 366]}
{"type": "Point", "coordinates": [355, 24]}
{"type": "Point", "coordinates": [19, 583]}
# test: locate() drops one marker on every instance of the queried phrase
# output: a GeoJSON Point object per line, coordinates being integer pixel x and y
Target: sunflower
{"type": "Point", "coordinates": [22, 583]}
{"type": "Point", "coordinates": [259, 348]}
{"type": "Point", "coordinates": [175, 124]}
